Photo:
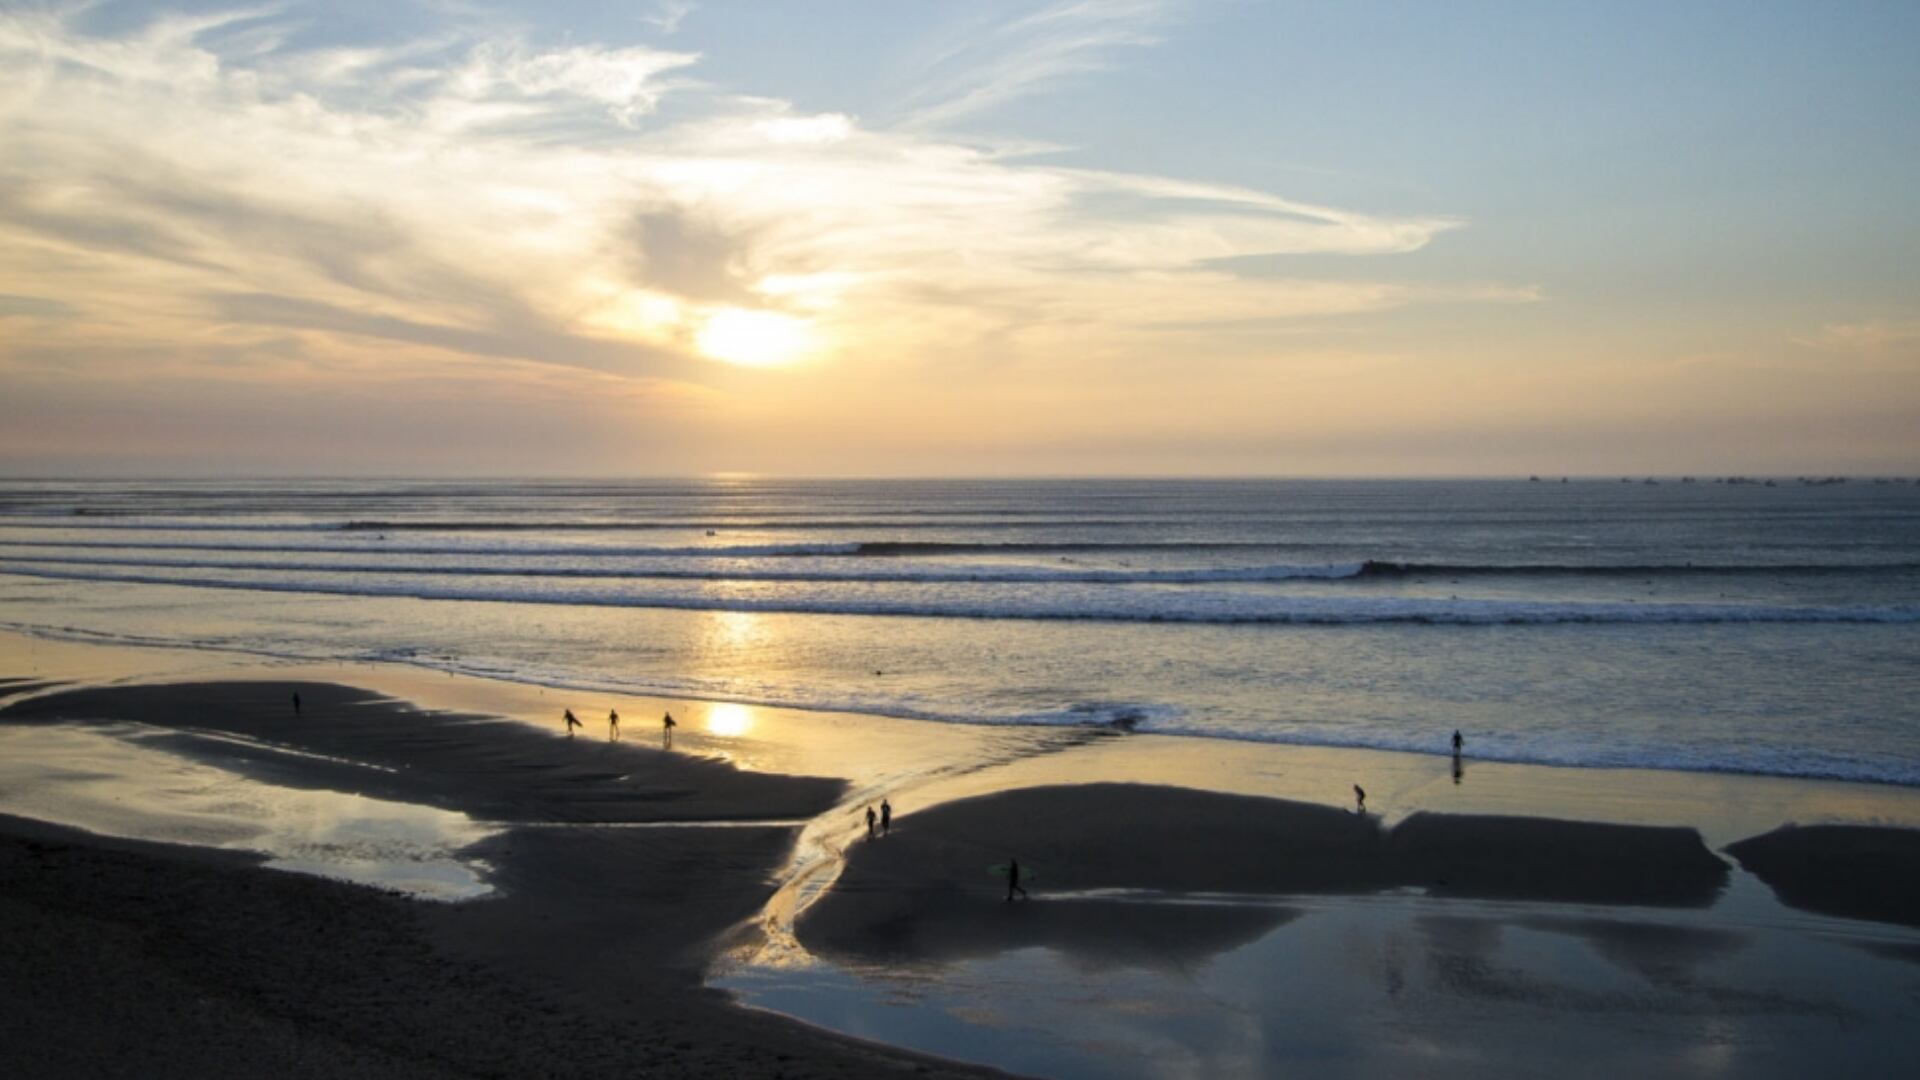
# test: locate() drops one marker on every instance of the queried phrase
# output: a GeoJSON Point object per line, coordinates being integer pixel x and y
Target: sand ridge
{"type": "Point", "coordinates": [929, 886]}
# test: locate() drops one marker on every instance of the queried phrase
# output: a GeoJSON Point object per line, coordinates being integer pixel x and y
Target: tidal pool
{"type": "Point", "coordinates": [112, 780]}
{"type": "Point", "coordinates": [1396, 985]}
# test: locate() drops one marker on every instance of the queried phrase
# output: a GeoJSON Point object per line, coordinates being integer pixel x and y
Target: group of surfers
{"type": "Point", "coordinates": [667, 724]}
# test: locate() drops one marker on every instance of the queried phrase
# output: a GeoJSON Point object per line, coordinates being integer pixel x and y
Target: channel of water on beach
{"type": "Point", "coordinates": [117, 780]}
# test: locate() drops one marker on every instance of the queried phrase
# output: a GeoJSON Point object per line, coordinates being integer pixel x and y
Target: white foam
{"type": "Point", "coordinates": [1063, 603]}
{"type": "Point", "coordinates": [877, 570]}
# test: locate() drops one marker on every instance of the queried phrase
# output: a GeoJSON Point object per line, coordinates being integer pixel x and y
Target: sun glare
{"type": "Point", "coordinates": [752, 338]}
{"type": "Point", "coordinates": [729, 720]}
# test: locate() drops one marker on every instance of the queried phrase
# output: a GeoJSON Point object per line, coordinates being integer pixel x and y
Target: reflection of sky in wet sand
{"type": "Point", "coordinates": [110, 779]}
{"type": "Point", "coordinates": [1406, 985]}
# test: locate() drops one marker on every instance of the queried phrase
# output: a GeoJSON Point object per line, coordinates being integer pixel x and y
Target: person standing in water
{"type": "Point", "coordinates": [1458, 742]}
{"type": "Point", "coordinates": [296, 703]}
{"type": "Point", "coordinates": [1013, 881]}
{"type": "Point", "coordinates": [613, 725]}
{"type": "Point", "coordinates": [886, 817]}
{"type": "Point", "coordinates": [1360, 798]}
{"type": "Point", "coordinates": [572, 722]}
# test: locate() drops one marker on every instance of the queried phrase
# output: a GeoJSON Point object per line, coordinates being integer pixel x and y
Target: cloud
{"type": "Point", "coordinates": [993, 65]}
{"type": "Point", "coordinates": [667, 15]}
{"type": "Point", "coordinates": [34, 307]}
{"type": "Point", "coordinates": [208, 184]}
{"type": "Point", "coordinates": [1873, 336]}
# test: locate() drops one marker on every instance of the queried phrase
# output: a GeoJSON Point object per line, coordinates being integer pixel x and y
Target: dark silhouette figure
{"type": "Point", "coordinates": [613, 725]}
{"type": "Point", "coordinates": [572, 722]}
{"type": "Point", "coordinates": [667, 724]}
{"type": "Point", "coordinates": [1013, 881]}
{"type": "Point", "coordinates": [1360, 799]}
{"type": "Point", "coordinates": [296, 703]}
{"type": "Point", "coordinates": [1458, 742]}
{"type": "Point", "coordinates": [870, 820]}
{"type": "Point", "coordinates": [886, 817]}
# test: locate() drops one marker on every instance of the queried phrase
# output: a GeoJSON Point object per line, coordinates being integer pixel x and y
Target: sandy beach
{"type": "Point", "coordinates": [621, 872]}
{"type": "Point", "coordinates": [124, 957]}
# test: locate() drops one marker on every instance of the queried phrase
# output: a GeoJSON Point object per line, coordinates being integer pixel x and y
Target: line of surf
{"type": "Point", "coordinates": [1112, 605]}
{"type": "Point", "coordinates": [103, 522]}
{"type": "Point", "coordinates": [1140, 717]}
{"type": "Point", "coordinates": [888, 549]}
{"type": "Point", "coordinates": [885, 573]}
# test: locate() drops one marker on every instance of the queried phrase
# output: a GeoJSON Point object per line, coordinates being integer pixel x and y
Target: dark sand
{"type": "Point", "coordinates": [1853, 871]}
{"type": "Point", "coordinates": [486, 767]}
{"type": "Point", "coordinates": [131, 959]}
{"type": "Point", "coordinates": [125, 958]}
{"type": "Point", "coordinates": [927, 889]}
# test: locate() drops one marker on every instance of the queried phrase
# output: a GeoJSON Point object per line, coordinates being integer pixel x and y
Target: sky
{"type": "Point", "coordinates": [1138, 237]}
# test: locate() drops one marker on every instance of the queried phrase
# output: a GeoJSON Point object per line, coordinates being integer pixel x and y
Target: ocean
{"type": "Point", "coordinates": [1753, 627]}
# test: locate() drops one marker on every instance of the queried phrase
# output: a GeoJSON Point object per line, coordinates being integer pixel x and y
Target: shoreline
{"type": "Point", "coordinates": [526, 698]}
{"type": "Point", "coordinates": [733, 893]}
{"type": "Point", "coordinates": [564, 970]}
{"type": "Point", "coordinates": [876, 753]}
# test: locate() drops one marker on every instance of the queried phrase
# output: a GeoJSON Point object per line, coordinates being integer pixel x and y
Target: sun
{"type": "Point", "coordinates": [752, 338]}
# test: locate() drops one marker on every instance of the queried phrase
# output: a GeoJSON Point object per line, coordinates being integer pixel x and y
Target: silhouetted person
{"type": "Point", "coordinates": [667, 725]}
{"type": "Point", "coordinates": [1360, 799]}
{"type": "Point", "coordinates": [886, 817]}
{"type": "Point", "coordinates": [1013, 881]}
{"type": "Point", "coordinates": [572, 722]}
{"type": "Point", "coordinates": [871, 818]}
{"type": "Point", "coordinates": [613, 725]}
{"type": "Point", "coordinates": [1458, 742]}
{"type": "Point", "coordinates": [296, 703]}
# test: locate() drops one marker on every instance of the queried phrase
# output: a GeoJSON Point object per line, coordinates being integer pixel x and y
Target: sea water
{"type": "Point", "coordinates": [1703, 625]}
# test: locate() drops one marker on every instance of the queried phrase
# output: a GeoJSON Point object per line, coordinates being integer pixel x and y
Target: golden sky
{"type": "Point", "coordinates": [1052, 239]}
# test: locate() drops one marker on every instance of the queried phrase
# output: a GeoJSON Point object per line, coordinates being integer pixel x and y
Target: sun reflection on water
{"type": "Point", "coordinates": [729, 720]}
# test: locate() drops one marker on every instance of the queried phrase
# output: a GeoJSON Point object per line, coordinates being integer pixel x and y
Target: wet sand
{"type": "Point", "coordinates": [127, 958]}
{"type": "Point", "coordinates": [626, 870]}
{"type": "Point", "coordinates": [486, 766]}
{"type": "Point", "coordinates": [927, 887]}
{"type": "Point", "coordinates": [1852, 871]}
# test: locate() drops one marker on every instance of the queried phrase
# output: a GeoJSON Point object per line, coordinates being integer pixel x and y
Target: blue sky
{"type": "Point", "coordinates": [1138, 237]}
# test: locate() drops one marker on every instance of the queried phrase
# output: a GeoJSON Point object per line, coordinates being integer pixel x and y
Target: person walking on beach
{"type": "Point", "coordinates": [613, 725]}
{"type": "Point", "coordinates": [667, 725]}
{"type": "Point", "coordinates": [1013, 881]}
{"type": "Point", "coordinates": [572, 722]}
{"type": "Point", "coordinates": [296, 703]}
{"type": "Point", "coordinates": [870, 820]}
{"type": "Point", "coordinates": [1360, 798]}
{"type": "Point", "coordinates": [886, 817]}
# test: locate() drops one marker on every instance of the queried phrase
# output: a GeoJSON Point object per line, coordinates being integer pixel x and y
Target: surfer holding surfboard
{"type": "Point", "coordinates": [1013, 880]}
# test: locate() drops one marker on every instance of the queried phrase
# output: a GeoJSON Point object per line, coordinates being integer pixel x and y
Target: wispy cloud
{"type": "Point", "coordinates": [667, 15]}
{"type": "Point", "coordinates": [201, 197]}
{"type": "Point", "coordinates": [990, 64]}
{"type": "Point", "coordinates": [1871, 336]}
